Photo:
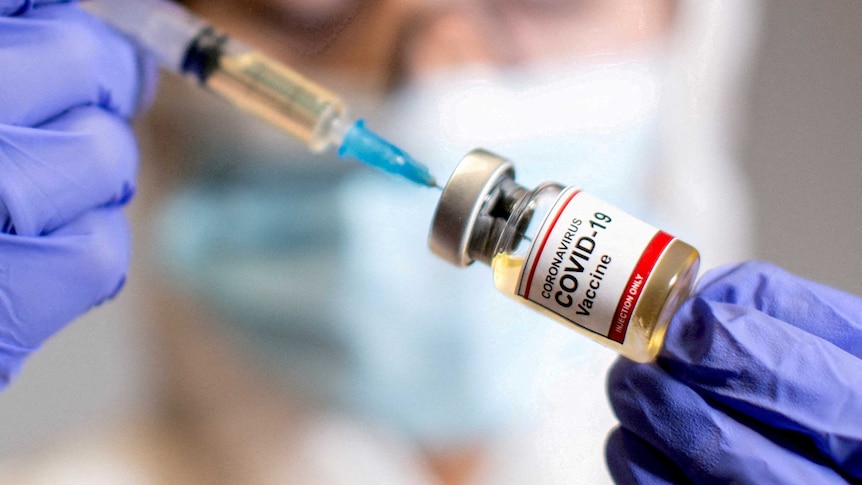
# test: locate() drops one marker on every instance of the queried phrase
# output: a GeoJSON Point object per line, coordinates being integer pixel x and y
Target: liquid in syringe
{"type": "Point", "coordinates": [254, 83]}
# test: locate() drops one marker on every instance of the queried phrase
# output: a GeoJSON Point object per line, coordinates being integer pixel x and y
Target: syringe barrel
{"type": "Point", "coordinates": [253, 82]}
{"type": "Point", "coordinates": [281, 96]}
{"type": "Point", "coordinates": [162, 27]}
{"type": "Point", "coordinates": [188, 46]}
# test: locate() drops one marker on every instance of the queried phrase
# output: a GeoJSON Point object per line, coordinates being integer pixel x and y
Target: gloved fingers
{"type": "Point", "coordinates": [49, 176]}
{"type": "Point", "coordinates": [779, 375]}
{"type": "Point", "coordinates": [708, 445]}
{"type": "Point", "coordinates": [18, 7]}
{"type": "Point", "coordinates": [817, 309]}
{"type": "Point", "coordinates": [633, 461]}
{"type": "Point", "coordinates": [59, 57]}
{"type": "Point", "coordinates": [48, 281]}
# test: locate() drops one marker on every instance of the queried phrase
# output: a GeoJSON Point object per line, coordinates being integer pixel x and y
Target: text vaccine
{"type": "Point", "coordinates": [565, 253]}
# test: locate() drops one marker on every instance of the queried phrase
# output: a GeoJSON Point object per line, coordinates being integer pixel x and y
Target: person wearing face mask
{"type": "Point", "coordinates": [306, 334]}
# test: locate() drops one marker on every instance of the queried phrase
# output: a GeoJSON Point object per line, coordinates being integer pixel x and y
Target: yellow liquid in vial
{"type": "Point", "coordinates": [278, 95]}
{"type": "Point", "coordinates": [664, 291]}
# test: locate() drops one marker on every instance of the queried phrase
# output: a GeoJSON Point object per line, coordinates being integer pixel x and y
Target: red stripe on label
{"type": "Point", "coordinates": [545, 241]}
{"type": "Point", "coordinates": [633, 289]}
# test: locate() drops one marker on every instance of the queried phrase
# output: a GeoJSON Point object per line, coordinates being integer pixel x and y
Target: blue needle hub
{"type": "Point", "coordinates": [372, 149]}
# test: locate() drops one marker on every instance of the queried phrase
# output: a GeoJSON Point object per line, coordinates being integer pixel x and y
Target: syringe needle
{"type": "Point", "coordinates": [372, 149]}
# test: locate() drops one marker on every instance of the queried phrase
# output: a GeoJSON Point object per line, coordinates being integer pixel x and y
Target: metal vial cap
{"type": "Point", "coordinates": [466, 195]}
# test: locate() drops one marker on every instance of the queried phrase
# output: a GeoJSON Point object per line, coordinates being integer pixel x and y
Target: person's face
{"type": "Point", "coordinates": [373, 38]}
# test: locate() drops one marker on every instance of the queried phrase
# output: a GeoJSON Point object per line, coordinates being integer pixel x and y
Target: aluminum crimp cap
{"type": "Point", "coordinates": [462, 202]}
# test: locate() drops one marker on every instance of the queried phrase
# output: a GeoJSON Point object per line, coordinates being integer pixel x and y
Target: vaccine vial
{"type": "Point", "coordinates": [565, 253]}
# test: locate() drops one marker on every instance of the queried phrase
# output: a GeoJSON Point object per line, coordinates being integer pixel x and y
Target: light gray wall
{"type": "Point", "coordinates": [803, 149]}
{"type": "Point", "coordinates": [88, 375]}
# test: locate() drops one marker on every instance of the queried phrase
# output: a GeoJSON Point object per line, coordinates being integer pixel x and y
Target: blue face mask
{"type": "Point", "coordinates": [330, 283]}
{"type": "Point", "coordinates": [592, 124]}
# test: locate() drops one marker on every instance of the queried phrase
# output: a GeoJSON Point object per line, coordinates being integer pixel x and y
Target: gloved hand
{"type": "Point", "coordinates": [760, 381]}
{"type": "Point", "coordinates": [68, 161]}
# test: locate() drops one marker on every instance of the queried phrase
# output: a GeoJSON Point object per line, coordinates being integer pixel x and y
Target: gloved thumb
{"type": "Point", "coordinates": [779, 349]}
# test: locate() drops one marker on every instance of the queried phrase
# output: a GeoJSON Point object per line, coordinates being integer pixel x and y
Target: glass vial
{"type": "Point", "coordinates": [565, 253]}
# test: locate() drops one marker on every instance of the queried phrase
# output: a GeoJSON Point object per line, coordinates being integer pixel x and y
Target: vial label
{"type": "Point", "coordinates": [589, 263]}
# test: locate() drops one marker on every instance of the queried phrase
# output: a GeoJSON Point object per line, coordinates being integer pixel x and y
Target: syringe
{"type": "Point", "coordinates": [187, 45]}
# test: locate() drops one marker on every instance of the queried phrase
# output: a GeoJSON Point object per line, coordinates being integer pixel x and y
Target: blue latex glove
{"type": "Point", "coordinates": [760, 381]}
{"type": "Point", "coordinates": [68, 161]}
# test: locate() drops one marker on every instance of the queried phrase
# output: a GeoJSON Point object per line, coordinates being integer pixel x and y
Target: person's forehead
{"type": "Point", "coordinates": [374, 37]}
{"type": "Point", "coordinates": [597, 15]}
{"type": "Point", "coordinates": [535, 5]}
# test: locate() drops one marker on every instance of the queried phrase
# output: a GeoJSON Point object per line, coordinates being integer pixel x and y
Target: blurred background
{"type": "Point", "coordinates": [801, 151]}
{"type": "Point", "coordinates": [802, 148]}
